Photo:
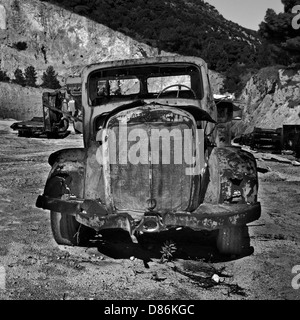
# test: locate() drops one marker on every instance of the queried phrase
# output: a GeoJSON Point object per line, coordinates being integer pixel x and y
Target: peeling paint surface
{"type": "Point", "coordinates": [238, 175]}
{"type": "Point", "coordinates": [151, 180]}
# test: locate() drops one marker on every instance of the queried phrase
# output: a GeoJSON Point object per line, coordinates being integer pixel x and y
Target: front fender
{"type": "Point", "coordinates": [66, 176]}
{"type": "Point", "coordinates": [233, 176]}
{"type": "Point", "coordinates": [71, 154]}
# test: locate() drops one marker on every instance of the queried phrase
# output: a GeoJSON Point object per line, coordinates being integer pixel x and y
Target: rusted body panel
{"type": "Point", "coordinates": [66, 177]}
{"type": "Point", "coordinates": [164, 183]}
{"type": "Point", "coordinates": [231, 196]}
{"type": "Point", "coordinates": [206, 217]}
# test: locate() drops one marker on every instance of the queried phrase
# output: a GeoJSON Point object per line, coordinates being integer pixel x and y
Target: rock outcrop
{"type": "Point", "coordinates": [270, 99]}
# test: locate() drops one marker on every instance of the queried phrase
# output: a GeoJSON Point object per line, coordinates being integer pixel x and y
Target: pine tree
{"type": "Point", "coordinates": [19, 77]}
{"type": "Point", "coordinates": [278, 31]}
{"type": "Point", "coordinates": [49, 79]}
{"type": "Point", "coordinates": [30, 76]}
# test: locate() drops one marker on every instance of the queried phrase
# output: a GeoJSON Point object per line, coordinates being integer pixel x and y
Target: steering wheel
{"type": "Point", "coordinates": [178, 91]}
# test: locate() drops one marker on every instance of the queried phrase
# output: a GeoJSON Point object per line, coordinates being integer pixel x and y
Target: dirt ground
{"type": "Point", "coordinates": [113, 268]}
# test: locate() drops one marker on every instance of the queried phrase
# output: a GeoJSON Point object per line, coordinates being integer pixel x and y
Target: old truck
{"type": "Point", "coordinates": [156, 157]}
{"type": "Point", "coordinates": [53, 124]}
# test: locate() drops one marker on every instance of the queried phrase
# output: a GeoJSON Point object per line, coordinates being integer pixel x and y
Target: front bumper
{"type": "Point", "coordinates": [208, 216]}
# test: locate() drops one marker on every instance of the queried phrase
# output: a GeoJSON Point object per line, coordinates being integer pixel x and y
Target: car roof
{"type": "Point", "coordinates": [140, 61]}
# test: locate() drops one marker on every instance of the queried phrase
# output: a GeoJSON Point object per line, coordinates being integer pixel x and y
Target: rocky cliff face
{"type": "Point", "coordinates": [41, 34]}
{"type": "Point", "coordinates": [270, 99]}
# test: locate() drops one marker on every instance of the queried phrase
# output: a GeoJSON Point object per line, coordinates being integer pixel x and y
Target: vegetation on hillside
{"type": "Point", "coordinates": [282, 40]}
{"type": "Point", "coordinates": [28, 78]}
{"type": "Point", "coordinates": [49, 79]}
{"type": "Point", "coordinates": [19, 77]}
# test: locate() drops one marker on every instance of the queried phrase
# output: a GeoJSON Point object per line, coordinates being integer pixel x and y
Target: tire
{"type": "Point", "coordinates": [67, 231]}
{"type": "Point", "coordinates": [233, 240]}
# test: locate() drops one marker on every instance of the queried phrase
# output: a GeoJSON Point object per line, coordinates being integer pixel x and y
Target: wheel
{"type": "Point", "coordinates": [67, 231]}
{"type": "Point", "coordinates": [233, 240]}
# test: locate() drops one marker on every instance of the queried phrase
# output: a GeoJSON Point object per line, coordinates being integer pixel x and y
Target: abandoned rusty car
{"type": "Point", "coordinates": [156, 156]}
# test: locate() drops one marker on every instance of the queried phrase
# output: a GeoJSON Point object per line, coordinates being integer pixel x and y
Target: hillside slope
{"type": "Point", "coordinates": [270, 99]}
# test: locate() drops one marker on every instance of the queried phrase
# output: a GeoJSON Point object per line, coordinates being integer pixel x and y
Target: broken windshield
{"type": "Point", "coordinates": [144, 82]}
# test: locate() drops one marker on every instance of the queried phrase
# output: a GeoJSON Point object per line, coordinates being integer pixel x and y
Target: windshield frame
{"type": "Point", "coordinates": [142, 73]}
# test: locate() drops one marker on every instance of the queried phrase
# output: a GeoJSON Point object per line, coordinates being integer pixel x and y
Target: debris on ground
{"type": "Point", "coordinates": [216, 278]}
{"type": "Point", "coordinates": [273, 157]}
{"type": "Point", "coordinates": [295, 163]}
{"type": "Point", "coordinates": [262, 167]}
{"type": "Point", "coordinates": [155, 276]}
{"type": "Point", "coordinates": [209, 276]}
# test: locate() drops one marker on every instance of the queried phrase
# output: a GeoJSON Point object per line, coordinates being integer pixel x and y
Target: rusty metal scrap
{"type": "Point", "coordinates": [238, 175]}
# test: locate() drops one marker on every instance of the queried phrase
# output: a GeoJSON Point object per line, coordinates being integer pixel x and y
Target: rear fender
{"type": "Point", "coordinates": [232, 176]}
{"type": "Point", "coordinates": [66, 177]}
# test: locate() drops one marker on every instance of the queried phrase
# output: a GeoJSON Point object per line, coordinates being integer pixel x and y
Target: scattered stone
{"type": "Point", "coordinates": [157, 277]}
{"type": "Point", "coordinates": [151, 264]}
{"type": "Point", "coordinates": [276, 158]}
{"type": "Point", "coordinates": [262, 167]}
{"type": "Point", "coordinates": [296, 163]}
{"type": "Point", "coordinates": [287, 152]}
{"type": "Point", "coordinates": [216, 278]}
